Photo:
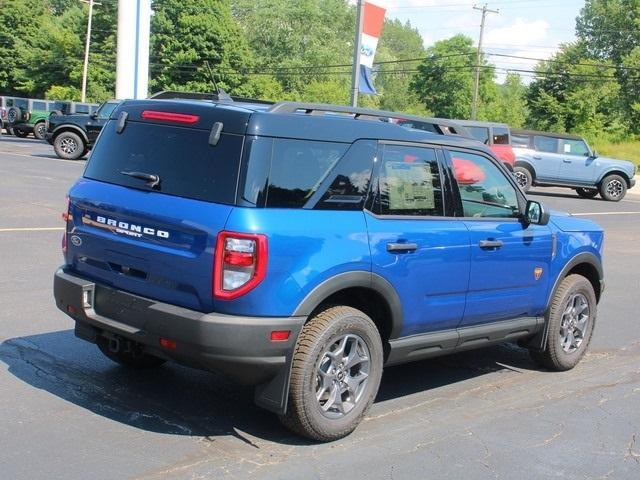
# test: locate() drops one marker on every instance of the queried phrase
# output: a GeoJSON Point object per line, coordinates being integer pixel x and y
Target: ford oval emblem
{"type": "Point", "coordinates": [76, 240]}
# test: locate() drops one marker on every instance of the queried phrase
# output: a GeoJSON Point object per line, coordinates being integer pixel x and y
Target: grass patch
{"type": "Point", "coordinates": [621, 151]}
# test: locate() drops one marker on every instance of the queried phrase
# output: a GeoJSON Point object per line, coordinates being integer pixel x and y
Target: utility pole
{"type": "Point", "coordinates": [355, 74]}
{"type": "Point", "coordinates": [476, 86]}
{"type": "Point", "coordinates": [86, 48]}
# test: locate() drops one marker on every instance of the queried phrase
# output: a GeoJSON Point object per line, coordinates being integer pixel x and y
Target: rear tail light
{"type": "Point", "coordinates": [240, 264]}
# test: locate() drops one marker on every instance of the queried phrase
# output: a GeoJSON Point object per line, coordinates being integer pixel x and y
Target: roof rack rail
{"type": "Point", "coordinates": [364, 113]}
{"type": "Point", "coordinates": [213, 97]}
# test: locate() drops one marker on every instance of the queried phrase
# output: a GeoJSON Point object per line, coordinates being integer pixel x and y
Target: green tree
{"type": "Point", "coordinates": [610, 29]}
{"type": "Point", "coordinates": [445, 79]}
{"type": "Point", "coordinates": [576, 94]}
{"type": "Point", "coordinates": [509, 105]}
{"type": "Point", "coordinates": [185, 34]}
{"type": "Point", "coordinates": [297, 42]}
{"type": "Point", "coordinates": [398, 44]}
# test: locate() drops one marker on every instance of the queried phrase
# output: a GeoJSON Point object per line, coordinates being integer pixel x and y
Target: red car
{"type": "Point", "coordinates": [497, 136]}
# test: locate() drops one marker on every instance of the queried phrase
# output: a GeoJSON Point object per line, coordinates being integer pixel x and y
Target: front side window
{"type": "Point", "coordinates": [484, 190]}
{"type": "Point", "coordinates": [545, 144]}
{"type": "Point", "coordinates": [82, 108]}
{"type": "Point", "coordinates": [480, 133]}
{"type": "Point", "coordinates": [574, 147]}
{"type": "Point", "coordinates": [409, 182]}
{"type": "Point", "coordinates": [500, 136]}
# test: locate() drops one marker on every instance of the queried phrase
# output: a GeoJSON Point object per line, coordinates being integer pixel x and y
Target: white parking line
{"type": "Point", "coordinates": [604, 213]}
{"type": "Point", "coordinates": [33, 229]}
{"type": "Point", "coordinates": [76, 162]}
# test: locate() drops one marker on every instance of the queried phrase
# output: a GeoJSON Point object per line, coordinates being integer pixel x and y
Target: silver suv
{"type": "Point", "coordinates": [562, 160]}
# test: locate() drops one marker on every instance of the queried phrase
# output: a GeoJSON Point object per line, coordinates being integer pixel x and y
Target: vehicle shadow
{"type": "Point", "coordinates": [181, 401]}
{"type": "Point", "coordinates": [538, 193]}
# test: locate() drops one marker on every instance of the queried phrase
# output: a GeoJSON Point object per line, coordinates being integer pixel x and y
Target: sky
{"type": "Point", "coordinates": [525, 28]}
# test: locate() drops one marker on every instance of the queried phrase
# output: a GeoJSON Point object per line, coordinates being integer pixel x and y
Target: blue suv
{"type": "Point", "coordinates": [562, 160]}
{"type": "Point", "coordinates": [299, 248]}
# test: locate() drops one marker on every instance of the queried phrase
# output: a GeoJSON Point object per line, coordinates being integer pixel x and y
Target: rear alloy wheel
{"type": "Point", "coordinates": [69, 146]}
{"type": "Point", "coordinates": [335, 375]}
{"type": "Point", "coordinates": [613, 188]}
{"type": "Point", "coordinates": [571, 319]}
{"type": "Point", "coordinates": [523, 178]}
{"type": "Point", "coordinates": [39, 130]}
{"type": "Point", "coordinates": [586, 192]}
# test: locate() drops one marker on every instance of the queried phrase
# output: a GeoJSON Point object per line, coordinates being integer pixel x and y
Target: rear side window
{"type": "Point", "coordinates": [409, 182]}
{"type": "Point", "coordinates": [500, 136]}
{"type": "Point", "coordinates": [82, 108]}
{"type": "Point", "coordinates": [518, 140]}
{"type": "Point", "coordinates": [37, 105]}
{"type": "Point", "coordinates": [545, 144]}
{"type": "Point", "coordinates": [298, 167]}
{"type": "Point", "coordinates": [181, 157]}
{"type": "Point", "coordinates": [480, 133]}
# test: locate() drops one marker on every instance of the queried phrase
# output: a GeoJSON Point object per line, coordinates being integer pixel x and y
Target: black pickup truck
{"type": "Point", "coordinates": [72, 136]}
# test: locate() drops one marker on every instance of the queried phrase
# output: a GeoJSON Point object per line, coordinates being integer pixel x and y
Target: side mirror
{"type": "Point", "coordinates": [536, 213]}
{"type": "Point", "coordinates": [94, 115]}
{"type": "Point", "coordinates": [594, 154]}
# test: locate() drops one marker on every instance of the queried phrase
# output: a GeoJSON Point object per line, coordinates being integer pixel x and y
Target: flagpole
{"type": "Point", "coordinates": [355, 74]}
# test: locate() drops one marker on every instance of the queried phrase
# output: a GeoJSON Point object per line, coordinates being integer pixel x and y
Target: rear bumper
{"type": "Point", "coordinates": [632, 182]}
{"type": "Point", "coordinates": [239, 347]}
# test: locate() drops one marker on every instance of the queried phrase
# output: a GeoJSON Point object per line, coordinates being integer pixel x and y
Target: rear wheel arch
{"type": "Point", "coordinates": [364, 291]}
{"type": "Point", "coordinates": [528, 166]}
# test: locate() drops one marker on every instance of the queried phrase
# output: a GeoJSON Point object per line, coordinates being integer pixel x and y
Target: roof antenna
{"type": "Point", "coordinates": [222, 95]}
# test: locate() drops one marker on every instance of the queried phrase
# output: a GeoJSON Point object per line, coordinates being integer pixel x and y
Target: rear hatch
{"type": "Point", "coordinates": [145, 216]}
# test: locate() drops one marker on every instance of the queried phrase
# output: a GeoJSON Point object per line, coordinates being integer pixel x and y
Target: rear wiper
{"type": "Point", "coordinates": [151, 179]}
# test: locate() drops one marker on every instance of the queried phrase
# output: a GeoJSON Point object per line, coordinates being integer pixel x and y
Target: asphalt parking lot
{"type": "Point", "coordinates": [67, 412]}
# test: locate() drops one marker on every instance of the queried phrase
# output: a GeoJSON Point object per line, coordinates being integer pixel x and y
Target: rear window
{"type": "Point", "coordinates": [181, 157]}
{"type": "Point", "coordinates": [480, 133]}
{"type": "Point", "coordinates": [500, 136]}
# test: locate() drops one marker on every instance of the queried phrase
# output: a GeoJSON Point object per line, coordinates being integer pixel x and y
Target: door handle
{"type": "Point", "coordinates": [536, 157]}
{"type": "Point", "coordinates": [402, 247]}
{"type": "Point", "coordinates": [566, 161]}
{"type": "Point", "coordinates": [490, 244]}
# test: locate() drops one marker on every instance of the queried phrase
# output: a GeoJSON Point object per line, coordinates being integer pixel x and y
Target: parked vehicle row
{"type": "Point", "coordinates": [24, 116]}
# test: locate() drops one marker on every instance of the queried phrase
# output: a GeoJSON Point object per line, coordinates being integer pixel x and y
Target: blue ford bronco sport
{"type": "Point", "coordinates": [300, 248]}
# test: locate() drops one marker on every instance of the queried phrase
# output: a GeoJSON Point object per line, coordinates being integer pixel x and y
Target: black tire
{"type": "Point", "coordinates": [20, 133]}
{"type": "Point", "coordinates": [305, 414]}
{"type": "Point", "coordinates": [69, 146]}
{"type": "Point", "coordinates": [586, 192]}
{"type": "Point", "coordinates": [39, 129]}
{"type": "Point", "coordinates": [555, 356]}
{"type": "Point", "coordinates": [134, 357]}
{"type": "Point", "coordinates": [613, 188]}
{"type": "Point", "coordinates": [9, 130]}
{"type": "Point", "coordinates": [523, 178]}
